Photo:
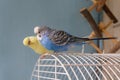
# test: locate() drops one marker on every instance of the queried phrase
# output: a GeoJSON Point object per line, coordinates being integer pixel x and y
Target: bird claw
{"type": "Point", "coordinates": [42, 56]}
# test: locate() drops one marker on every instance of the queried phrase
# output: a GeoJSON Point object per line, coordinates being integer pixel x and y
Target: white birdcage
{"type": "Point", "coordinates": [78, 67]}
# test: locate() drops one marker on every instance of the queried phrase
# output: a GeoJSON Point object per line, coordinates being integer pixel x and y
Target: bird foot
{"type": "Point", "coordinates": [42, 56]}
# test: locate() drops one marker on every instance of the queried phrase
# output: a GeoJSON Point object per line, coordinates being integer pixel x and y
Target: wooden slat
{"type": "Point", "coordinates": [96, 47]}
{"type": "Point", "coordinates": [110, 14]}
{"type": "Point", "coordinates": [103, 29]}
{"type": "Point", "coordinates": [91, 21]}
{"type": "Point", "coordinates": [115, 48]}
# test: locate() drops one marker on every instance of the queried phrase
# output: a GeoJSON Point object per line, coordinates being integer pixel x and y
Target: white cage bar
{"type": "Point", "coordinates": [78, 67]}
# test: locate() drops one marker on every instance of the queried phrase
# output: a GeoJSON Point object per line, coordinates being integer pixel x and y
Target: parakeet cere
{"type": "Point", "coordinates": [58, 40]}
{"type": "Point", "coordinates": [33, 43]}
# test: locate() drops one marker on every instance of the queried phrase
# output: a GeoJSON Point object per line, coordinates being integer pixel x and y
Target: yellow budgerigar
{"type": "Point", "coordinates": [33, 43]}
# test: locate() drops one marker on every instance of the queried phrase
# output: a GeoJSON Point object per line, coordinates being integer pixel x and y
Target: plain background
{"type": "Point", "coordinates": [17, 20]}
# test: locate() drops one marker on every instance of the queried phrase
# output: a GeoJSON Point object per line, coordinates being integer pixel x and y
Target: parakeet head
{"type": "Point", "coordinates": [33, 43]}
{"type": "Point", "coordinates": [41, 29]}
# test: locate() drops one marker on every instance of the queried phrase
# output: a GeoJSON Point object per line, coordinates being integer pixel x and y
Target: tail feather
{"type": "Point", "coordinates": [76, 39]}
{"type": "Point", "coordinates": [107, 38]}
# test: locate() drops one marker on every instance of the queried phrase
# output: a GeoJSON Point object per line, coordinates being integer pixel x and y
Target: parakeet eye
{"type": "Point", "coordinates": [29, 42]}
{"type": "Point", "coordinates": [39, 37]}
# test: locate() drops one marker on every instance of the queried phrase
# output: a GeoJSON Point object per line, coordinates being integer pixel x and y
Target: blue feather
{"type": "Point", "coordinates": [47, 43]}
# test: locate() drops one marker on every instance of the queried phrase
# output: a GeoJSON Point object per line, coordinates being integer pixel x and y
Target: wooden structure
{"type": "Point", "coordinates": [100, 29]}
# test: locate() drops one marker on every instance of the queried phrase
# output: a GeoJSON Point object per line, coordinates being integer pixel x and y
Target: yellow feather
{"type": "Point", "coordinates": [33, 43]}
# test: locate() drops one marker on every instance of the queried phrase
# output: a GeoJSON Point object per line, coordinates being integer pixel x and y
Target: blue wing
{"type": "Point", "coordinates": [62, 38]}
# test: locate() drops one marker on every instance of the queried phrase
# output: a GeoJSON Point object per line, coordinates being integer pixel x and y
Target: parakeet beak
{"type": "Point", "coordinates": [26, 41]}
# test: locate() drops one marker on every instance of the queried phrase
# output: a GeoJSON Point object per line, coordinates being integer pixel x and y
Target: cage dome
{"type": "Point", "coordinates": [77, 67]}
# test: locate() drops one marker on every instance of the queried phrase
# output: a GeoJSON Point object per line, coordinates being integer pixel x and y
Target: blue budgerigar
{"type": "Point", "coordinates": [58, 40]}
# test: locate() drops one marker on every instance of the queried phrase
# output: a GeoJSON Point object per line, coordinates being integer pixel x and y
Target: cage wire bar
{"type": "Point", "coordinates": [77, 67]}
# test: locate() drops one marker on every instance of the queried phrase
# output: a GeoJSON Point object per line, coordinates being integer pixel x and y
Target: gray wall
{"type": "Point", "coordinates": [17, 20]}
